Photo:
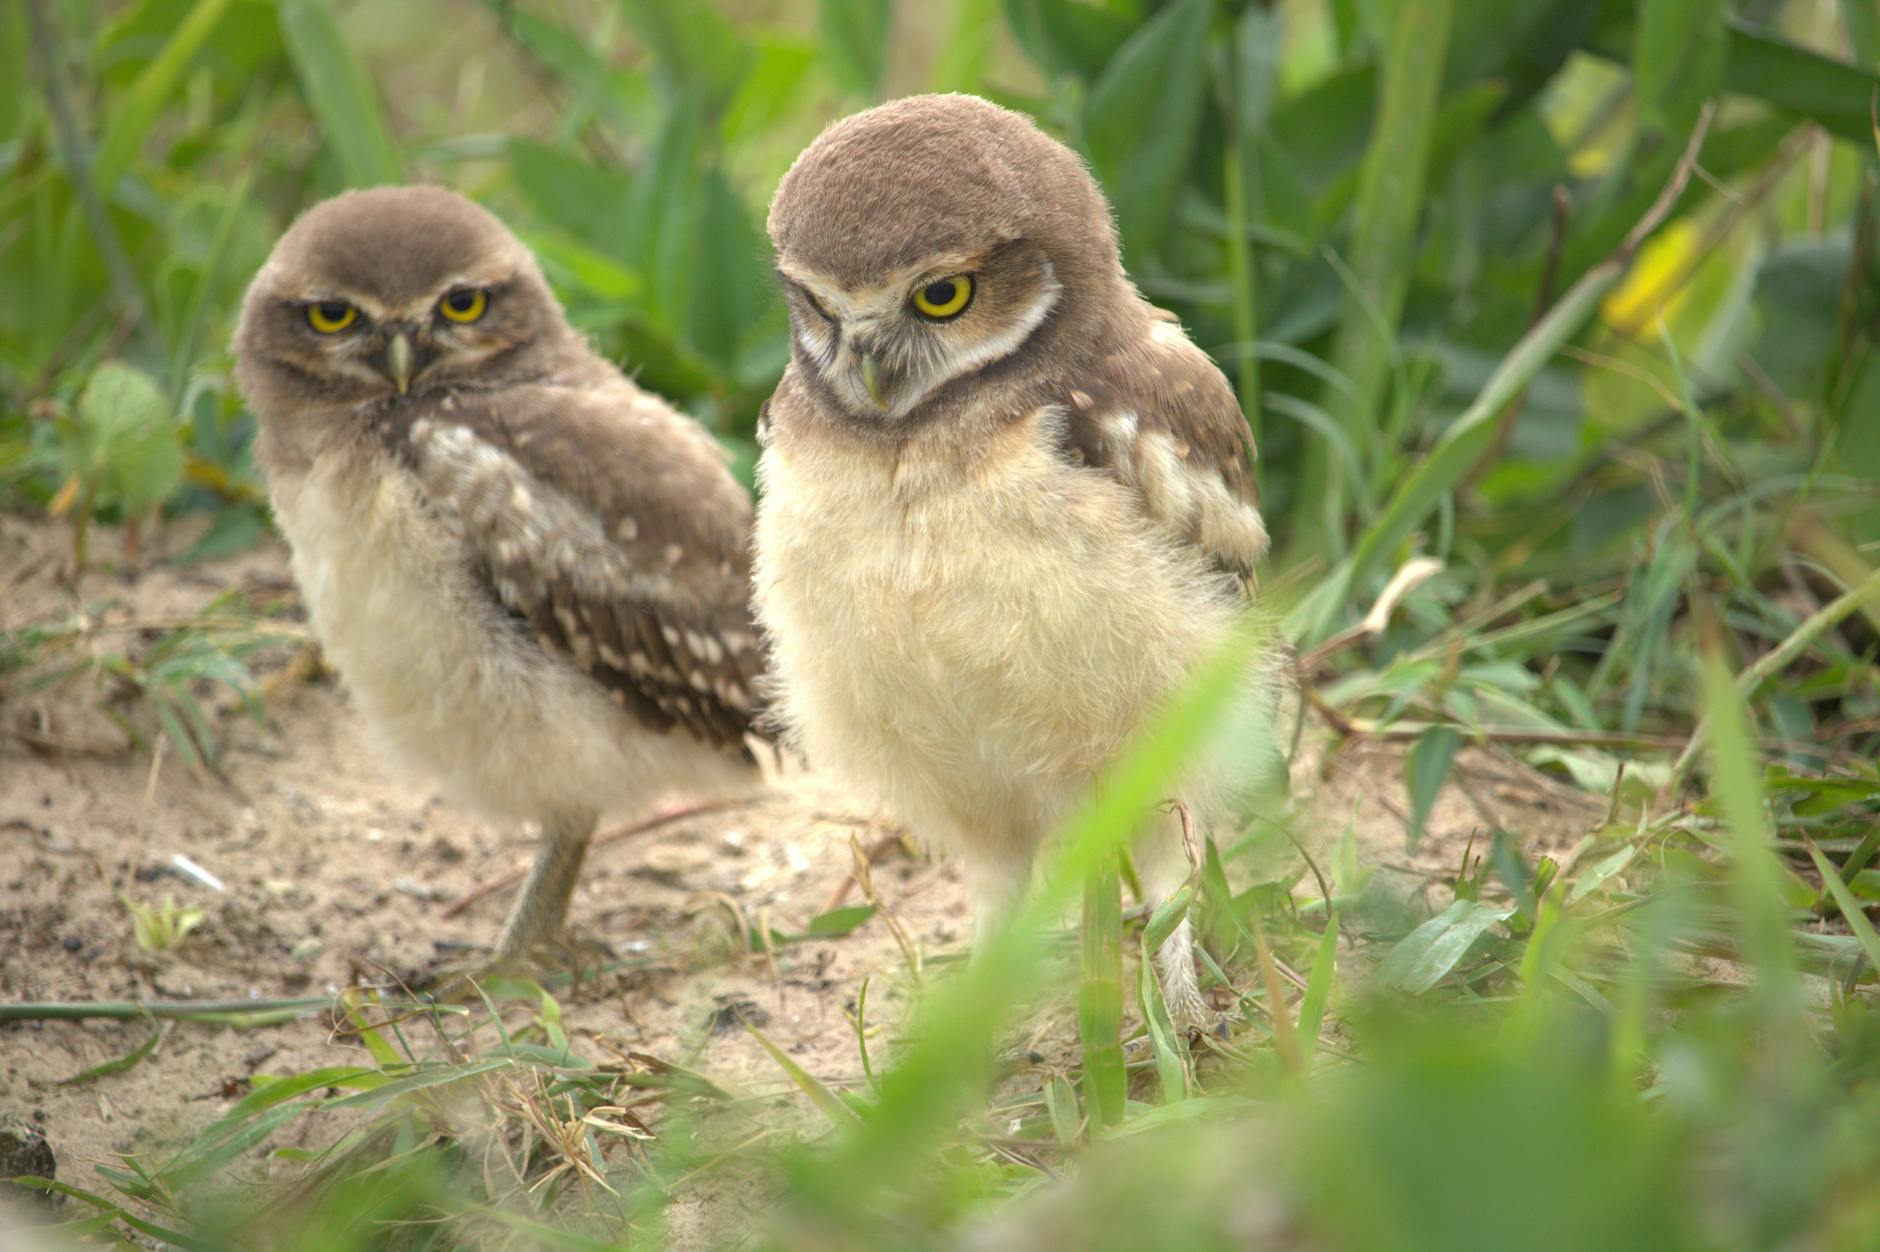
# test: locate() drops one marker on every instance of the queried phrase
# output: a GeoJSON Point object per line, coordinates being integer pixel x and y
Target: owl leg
{"type": "Point", "coordinates": [996, 879]}
{"type": "Point", "coordinates": [542, 907]}
{"type": "Point", "coordinates": [1162, 866]}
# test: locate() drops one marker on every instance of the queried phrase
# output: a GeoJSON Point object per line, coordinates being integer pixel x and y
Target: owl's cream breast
{"type": "Point", "coordinates": [442, 678]}
{"type": "Point", "coordinates": [971, 633]}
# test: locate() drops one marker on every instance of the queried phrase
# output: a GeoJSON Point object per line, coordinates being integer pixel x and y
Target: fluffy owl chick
{"type": "Point", "coordinates": [531, 574]}
{"type": "Point", "coordinates": [1007, 506]}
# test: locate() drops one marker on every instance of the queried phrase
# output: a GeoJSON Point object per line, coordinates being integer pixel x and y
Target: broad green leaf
{"type": "Point", "coordinates": [143, 104]}
{"type": "Point", "coordinates": [588, 202]}
{"type": "Point", "coordinates": [134, 446]}
{"type": "Point", "coordinates": [730, 285]}
{"type": "Point", "coordinates": [1068, 36]}
{"type": "Point", "coordinates": [1803, 83]}
{"type": "Point", "coordinates": [1426, 769]}
{"type": "Point", "coordinates": [1142, 117]}
{"type": "Point", "coordinates": [838, 922]}
{"type": "Point", "coordinates": [661, 213]}
{"type": "Point", "coordinates": [971, 41]}
{"type": "Point", "coordinates": [340, 93]}
{"type": "Point", "coordinates": [1799, 82]}
{"type": "Point", "coordinates": [699, 52]}
{"type": "Point", "coordinates": [1678, 52]}
{"type": "Point", "coordinates": [856, 40]}
{"type": "Point", "coordinates": [1425, 956]}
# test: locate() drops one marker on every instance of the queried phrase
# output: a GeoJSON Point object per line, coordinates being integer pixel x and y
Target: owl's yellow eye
{"type": "Point", "coordinates": [809, 298]}
{"type": "Point", "coordinates": [466, 304]}
{"type": "Point", "coordinates": [329, 317]}
{"type": "Point", "coordinates": [945, 298]}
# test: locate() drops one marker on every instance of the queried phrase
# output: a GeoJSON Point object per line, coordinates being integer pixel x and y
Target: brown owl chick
{"type": "Point", "coordinates": [1007, 506]}
{"type": "Point", "coordinates": [530, 573]}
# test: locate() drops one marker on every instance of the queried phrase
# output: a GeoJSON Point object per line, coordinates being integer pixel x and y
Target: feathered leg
{"type": "Point", "coordinates": [542, 906]}
{"type": "Point", "coordinates": [1162, 865]}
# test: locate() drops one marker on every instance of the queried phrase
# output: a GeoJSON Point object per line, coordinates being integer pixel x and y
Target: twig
{"type": "Point", "coordinates": [877, 853]}
{"type": "Point", "coordinates": [1673, 190]}
{"type": "Point", "coordinates": [1409, 576]}
{"type": "Point", "coordinates": [910, 950]}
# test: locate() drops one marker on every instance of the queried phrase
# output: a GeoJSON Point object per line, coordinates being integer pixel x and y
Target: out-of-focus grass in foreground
{"type": "Point", "coordinates": [1556, 324]}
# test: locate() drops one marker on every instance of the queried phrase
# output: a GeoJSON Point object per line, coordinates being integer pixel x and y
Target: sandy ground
{"type": "Point", "coordinates": [335, 873]}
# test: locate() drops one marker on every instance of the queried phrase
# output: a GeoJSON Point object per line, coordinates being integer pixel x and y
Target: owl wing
{"type": "Point", "coordinates": [611, 526]}
{"type": "Point", "coordinates": [1159, 416]}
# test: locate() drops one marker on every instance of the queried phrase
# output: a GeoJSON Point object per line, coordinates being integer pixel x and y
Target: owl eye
{"type": "Point", "coordinates": [945, 298]}
{"type": "Point", "coordinates": [466, 304]}
{"type": "Point", "coordinates": [329, 317]}
{"type": "Point", "coordinates": [809, 298]}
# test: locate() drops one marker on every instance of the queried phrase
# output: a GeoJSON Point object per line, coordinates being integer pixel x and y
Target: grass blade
{"type": "Point", "coordinates": [1762, 915]}
{"type": "Point", "coordinates": [340, 93]}
{"type": "Point", "coordinates": [1318, 990]}
{"type": "Point", "coordinates": [1390, 204]}
{"type": "Point", "coordinates": [828, 1102]}
{"type": "Point", "coordinates": [1850, 907]}
{"type": "Point", "coordinates": [143, 104]}
{"type": "Point", "coordinates": [1100, 997]}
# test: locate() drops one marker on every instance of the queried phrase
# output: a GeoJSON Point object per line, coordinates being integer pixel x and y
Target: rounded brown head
{"type": "Point", "coordinates": [390, 291]}
{"type": "Point", "coordinates": [933, 237]}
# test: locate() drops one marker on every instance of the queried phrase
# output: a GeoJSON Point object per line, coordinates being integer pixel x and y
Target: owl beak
{"type": "Point", "coordinates": [398, 362]}
{"type": "Point", "coordinates": [873, 381]}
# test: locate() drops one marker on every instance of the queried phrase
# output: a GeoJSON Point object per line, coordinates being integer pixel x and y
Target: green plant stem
{"type": "Point", "coordinates": [132, 1010]}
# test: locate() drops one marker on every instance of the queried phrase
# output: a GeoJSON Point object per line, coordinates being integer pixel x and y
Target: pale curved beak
{"type": "Point", "coordinates": [398, 358]}
{"type": "Point", "coordinates": [872, 380]}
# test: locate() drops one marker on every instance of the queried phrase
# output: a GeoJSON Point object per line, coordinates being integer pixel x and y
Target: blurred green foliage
{"type": "Point", "coordinates": [1579, 297]}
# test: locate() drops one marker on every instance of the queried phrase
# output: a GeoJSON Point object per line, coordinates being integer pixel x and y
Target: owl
{"type": "Point", "coordinates": [1006, 505]}
{"type": "Point", "coordinates": [531, 575]}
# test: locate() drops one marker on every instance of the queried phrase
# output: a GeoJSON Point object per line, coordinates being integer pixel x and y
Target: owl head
{"type": "Point", "coordinates": [931, 241]}
{"type": "Point", "coordinates": [393, 291]}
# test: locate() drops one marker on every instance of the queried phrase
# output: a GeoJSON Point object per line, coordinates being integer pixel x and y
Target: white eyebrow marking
{"type": "Point", "coordinates": [877, 300]}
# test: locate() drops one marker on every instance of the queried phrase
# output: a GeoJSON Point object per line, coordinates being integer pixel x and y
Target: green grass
{"type": "Point", "coordinates": [1577, 300]}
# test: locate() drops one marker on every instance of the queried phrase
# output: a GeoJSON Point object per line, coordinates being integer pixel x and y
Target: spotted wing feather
{"type": "Point", "coordinates": [611, 526]}
{"type": "Point", "coordinates": [1158, 415]}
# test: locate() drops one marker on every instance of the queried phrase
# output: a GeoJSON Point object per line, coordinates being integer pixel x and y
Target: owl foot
{"type": "Point", "coordinates": [465, 978]}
